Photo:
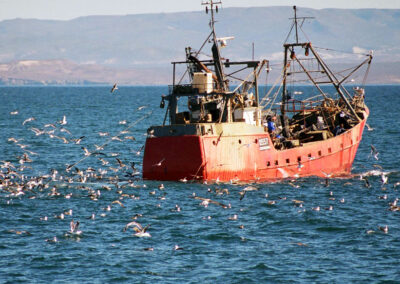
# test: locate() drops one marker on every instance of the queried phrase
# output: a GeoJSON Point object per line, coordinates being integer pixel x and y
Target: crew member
{"type": "Point", "coordinates": [272, 127]}
{"type": "Point", "coordinates": [338, 129]}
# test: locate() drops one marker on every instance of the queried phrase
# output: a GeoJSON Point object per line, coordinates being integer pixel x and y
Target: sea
{"type": "Point", "coordinates": [264, 237]}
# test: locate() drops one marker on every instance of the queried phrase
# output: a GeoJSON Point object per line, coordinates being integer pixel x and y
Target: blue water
{"type": "Point", "coordinates": [278, 243]}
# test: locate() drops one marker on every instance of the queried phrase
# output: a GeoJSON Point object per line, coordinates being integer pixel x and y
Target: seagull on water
{"type": "Point", "coordinates": [384, 229]}
{"type": "Point", "coordinates": [74, 227]}
{"type": "Point", "coordinates": [53, 240]}
{"type": "Point", "coordinates": [176, 247]}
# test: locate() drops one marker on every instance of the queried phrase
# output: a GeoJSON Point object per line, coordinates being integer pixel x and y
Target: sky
{"type": "Point", "coordinates": [69, 9]}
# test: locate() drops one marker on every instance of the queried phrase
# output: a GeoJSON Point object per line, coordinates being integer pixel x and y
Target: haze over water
{"type": "Point", "coordinates": [267, 242]}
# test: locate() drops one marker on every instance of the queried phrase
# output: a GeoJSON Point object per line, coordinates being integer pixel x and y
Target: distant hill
{"type": "Point", "coordinates": [139, 48]}
{"type": "Point", "coordinates": [64, 72]}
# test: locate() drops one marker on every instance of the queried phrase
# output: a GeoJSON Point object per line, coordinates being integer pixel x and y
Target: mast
{"type": "Point", "coordinates": [285, 66]}
{"type": "Point", "coordinates": [212, 6]}
{"type": "Point", "coordinates": [295, 23]}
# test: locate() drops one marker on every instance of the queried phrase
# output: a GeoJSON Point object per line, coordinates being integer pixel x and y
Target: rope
{"type": "Point", "coordinates": [342, 51]}
{"type": "Point", "coordinates": [275, 83]}
{"type": "Point", "coordinates": [366, 74]}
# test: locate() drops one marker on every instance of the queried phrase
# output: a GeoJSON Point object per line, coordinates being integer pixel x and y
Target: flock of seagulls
{"type": "Point", "coordinates": [118, 176]}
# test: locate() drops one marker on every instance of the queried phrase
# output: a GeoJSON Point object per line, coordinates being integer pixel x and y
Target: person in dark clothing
{"type": "Point", "coordinates": [338, 129]}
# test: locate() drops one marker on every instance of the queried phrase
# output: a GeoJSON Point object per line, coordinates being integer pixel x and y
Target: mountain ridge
{"type": "Point", "coordinates": [134, 43]}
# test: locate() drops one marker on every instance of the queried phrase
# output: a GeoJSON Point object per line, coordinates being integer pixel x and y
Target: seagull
{"type": "Point", "coordinates": [384, 178]}
{"type": "Point", "coordinates": [12, 139]}
{"type": "Point", "coordinates": [78, 141]}
{"type": "Point", "coordinates": [104, 162]}
{"type": "Point", "coordinates": [140, 231]}
{"type": "Point", "coordinates": [383, 197]}
{"type": "Point", "coordinates": [65, 140]}
{"type": "Point", "coordinates": [98, 148]}
{"type": "Point", "coordinates": [204, 203]}
{"type": "Point", "coordinates": [244, 190]}
{"type": "Point", "coordinates": [366, 184]}
{"type": "Point", "coordinates": [63, 121]}
{"type": "Point", "coordinates": [159, 163]}
{"type": "Point", "coordinates": [233, 218]}
{"type": "Point", "coordinates": [74, 227]}
{"type": "Point", "coordinates": [28, 120]}
{"type": "Point", "coordinates": [394, 203]}
{"type": "Point", "coordinates": [53, 240]}
{"type": "Point", "coordinates": [384, 229]}
{"type": "Point", "coordinates": [87, 153]}
{"type": "Point", "coordinates": [328, 176]}
{"type": "Point", "coordinates": [211, 201]}
{"type": "Point", "coordinates": [14, 112]}
{"type": "Point", "coordinates": [118, 202]}
{"type": "Point", "coordinates": [122, 165]}
{"type": "Point", "coordinates": [139, 151]}
{"type": "Point", "coordinates": [130, 138]}
{"type": "Point", "coordinates": [374, 152]}
{"type": "Point", "coordinates": [49, 125]}
{"type": "Point", "coordinates": [114, 88]}
{"type": "Point", "coordinates": [61, 216]}
{"type": "Point", "coordinates": [183, 179]}
{"type": "Point", "coordinates": [294, 185]}
{"type": "Point", "coordinates": [176, 247]}
{"type": "Point", "coordinates": [37, 131]}
{"type": "Point", "coordinates": [369, 127]}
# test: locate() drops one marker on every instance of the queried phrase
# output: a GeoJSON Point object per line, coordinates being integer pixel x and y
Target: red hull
{"type": "Point", "coordinates": [244, 158]}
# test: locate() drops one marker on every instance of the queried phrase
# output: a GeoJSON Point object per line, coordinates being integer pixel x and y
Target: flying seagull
{"type": "Point", "coordinates": [140, 231]}
{"type": "Point", "coordinates": [114, 88]}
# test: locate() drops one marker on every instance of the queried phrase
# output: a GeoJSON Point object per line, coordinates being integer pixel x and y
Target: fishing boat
{"type": "Point", "coordinates": [217, 128]}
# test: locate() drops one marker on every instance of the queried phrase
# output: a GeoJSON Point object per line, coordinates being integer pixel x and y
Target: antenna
{"type": "Point", "coordinates": [296, 23]}
{"type": "Point", "coordinates": [212, 6]}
